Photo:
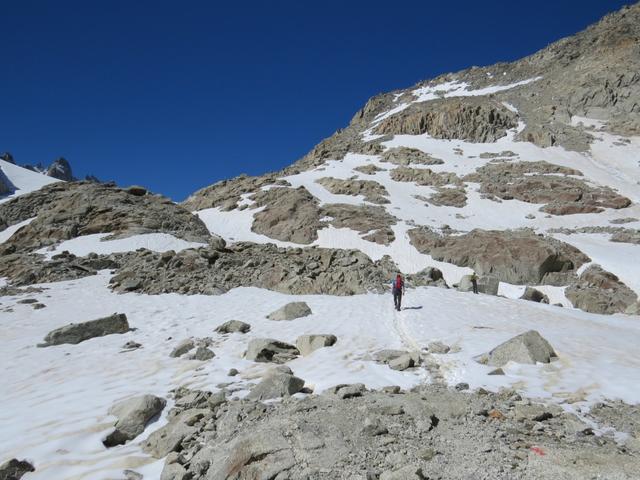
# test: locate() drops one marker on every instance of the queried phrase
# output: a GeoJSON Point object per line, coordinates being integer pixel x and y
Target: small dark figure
{"type": "Point", "coordinates": [474, 282]}
{"type": "Point", "coordinates": [398, 290]}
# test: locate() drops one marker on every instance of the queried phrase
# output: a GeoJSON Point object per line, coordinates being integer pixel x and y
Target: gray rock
{"type": "Point", "coordinates": [75, 333]}
{"type": "Point", "coordinates": [270, 350]}
{"type": "Point", "coordinates": [169, 438]}
{"type": "Point", "coordinates": [528, 348]}
{"type": "Point", "coordinates": [409, 156]}
{"type": "Point", "coordinates": [386, 356]}
{"type": "Point", "coordinates": [15, 469]}
{"type": "Point", "coordinates": [533, 295]}
{"type": "Point", "coordinates": [183, 347]}
{"type": "Point", "coordinates": [203, 354]}
{"type": "Point", "coordinates": [599, 291]}
{"type": "Point", "coordinates": [276, 384]}
{"type": "Point", "coordinates": [438, 348]}
{"type": "Point", "coordinates": [233, 326]}
{"type": "Point", "coordinates": [403, 362]}
{"type": "Point", "coordinates": [174, 471]}
{"type": "Point", "coordinates": [307, 344]}
{"type": "Point", "coordinates": [232, 372]}
{"type": "Point", "coordinates": [291, 311]}
{"type": "Point", "coordinates": [133, 415]}
{"type": "Point", "coordinates": [513, 256]}
{"type": "Point", "coordinates": [373, 192]}
{"type": "Point", "coordinates": [497, 371]}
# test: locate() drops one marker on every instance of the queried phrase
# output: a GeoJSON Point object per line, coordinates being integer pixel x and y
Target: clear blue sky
{"type": "Point", "coordinates": [177, 95]}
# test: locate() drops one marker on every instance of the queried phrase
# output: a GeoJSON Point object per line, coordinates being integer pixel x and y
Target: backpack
{"type": "Point", "coordinates": [397, 284]}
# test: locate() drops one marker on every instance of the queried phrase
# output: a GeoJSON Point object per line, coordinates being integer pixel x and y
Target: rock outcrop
{"type": "Point", "coordinates": [61, 169]}
{"type": "Point", "coordinates": [547, 184]}
{"type": "Point", "coordinates": [212, 271]}
{"type": "Point", "coordinates": [466, 118]}
{"type": "Point", "coordinates": [513, 256]}
{"type": "Point", "coordinates": [133, 415]}
{"type": "Point", "coordinates": [599, 291]}
{"type": "Point", "coordinates": [534, 295]}
{"type": "Point", "coordinates": [66, 210]}
{"type": "Point", "coordinates": [372, 192]}
{"type": "Point", "coordinates": [233, 326]}
{"type": "Point", "coordinates": [409, 156]}
{"type": "Point", "coordinates": [75, 333]}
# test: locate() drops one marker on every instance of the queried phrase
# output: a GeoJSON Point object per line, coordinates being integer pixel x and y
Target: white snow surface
{"type": "Point", "coordinates": [54, 400]}
{"type": "Point", "coordinates": [22, 179]}
{"type": "Point", "coordinates": [9, 231]}
{"type": "Point", "coordinates": [100, 244]}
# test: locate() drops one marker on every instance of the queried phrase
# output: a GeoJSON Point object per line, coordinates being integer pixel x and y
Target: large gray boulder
{"type": "Point", "coordinates": [290, 311]}
{"type": "Point", "coordinates": [599, 291]}
{"type": "Point", "coordinates": [14, 469]}
{"type": "Point", "coordinates": [233, 326]}
{"type": "Point", "coordinates": [534, 295]}
{"type": "Point", "coordinates": [133, 415]}
{"type": "Point", "coordinates": [79, 332]}
{"type": "Point", "coordinates": [528, 348]}
{"type": "Point", "coordinates": [270, 350]}
{"type": "Point", "coordinates": [279, 382]}
{"type": "Point", "coordinates": [308, 344]}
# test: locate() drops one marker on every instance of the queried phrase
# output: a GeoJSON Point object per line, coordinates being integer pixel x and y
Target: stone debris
{"type": "Point", "coordinates": [233, 326]}
{"type": "Point", "coordinates": [308, 344]}
{"type": "Point", "coordinates": [270, 350]}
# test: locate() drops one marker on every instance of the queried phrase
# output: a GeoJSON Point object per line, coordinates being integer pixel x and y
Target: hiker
{"type": "Point", "coordinates": [398, 290]}
{"type": "Point", "coordinates": [474, 282]}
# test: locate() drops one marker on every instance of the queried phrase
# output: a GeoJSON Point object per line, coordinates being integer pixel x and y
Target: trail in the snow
{"type": "Point", "coordinates": [431, 366]}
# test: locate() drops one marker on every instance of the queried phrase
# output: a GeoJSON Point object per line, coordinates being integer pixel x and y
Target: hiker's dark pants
{"type": "Point", "coordinates": [397, 298]}
{"type": "Point", "coordinates": [474, 284]}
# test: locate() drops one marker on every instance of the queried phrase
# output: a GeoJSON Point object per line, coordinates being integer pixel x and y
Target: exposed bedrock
{"type": "Point", "coordinates": [425, 177]}
{"type": "Point", "coordinates": [351, 432]}
{"type": "Point", "coordinates": [474, 119]}
{"type": "Point", "coordinates": [513, 256]}
{"type": "Point", "coordinates": [227, 193]}
{"type": "Point", "coordinates": [545, 183]}
{"type": "Point", "coordinates": [372, 191]}
{"type": "Point", "coordinates": [294, 215]}
{"type": "Point", "coordinates": [409, 156]}
{"type": "Point", "coordinates": [599, 291]}
{"type": "Point", "coordinates": [67, 210]}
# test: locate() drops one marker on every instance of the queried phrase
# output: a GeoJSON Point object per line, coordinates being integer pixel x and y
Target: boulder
{"type": "Point", "coordinates": [528, 348]}
{"type": "Point", "coordinates": [534, 295]}
{"type": "Point", "coordinates": [75, 333]}
{"type": "Point", "coordinates": [487, 284]}
{"type": "Point", "coordinates": [438, 348]}
{"type": "Point", "coordinates": [270, 350]}
{"type": "Point", "coordinates": [279, 382]}
{"type": "Point", "coordinates": [14, 469]}
{"type": "Point", "coordinates": [136, 191]}
{"type": "Point", "coordinates": [183, 347]}
{"type": "Point", "coordinates": [309, 343]}
{"type": "Point", "coordinates": [599, 291]}
{"type": "Point", "coordinates": [345, 391]}
{"type": "Point", "coordinates": [202, 353]}
{"type": "Point", "coordinates": [133, 415]}
{"type": "Point", "coordinates": [233, 326]}
{"type": "Point", "coordinates": [290, 311]}
{"type": "Point", "coordinates": [385, 356]}
{"type": "Point", "coordinates": [403, 362]}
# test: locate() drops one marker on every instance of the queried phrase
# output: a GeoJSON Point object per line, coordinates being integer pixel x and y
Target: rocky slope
{"type": "Point", "coordinates": [524, 173]}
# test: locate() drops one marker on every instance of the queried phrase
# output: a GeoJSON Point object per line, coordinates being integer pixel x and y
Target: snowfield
{"type": "Point", "coordinates": [54, 400]}
{"type": "Point", "coordinates": [23, 180]}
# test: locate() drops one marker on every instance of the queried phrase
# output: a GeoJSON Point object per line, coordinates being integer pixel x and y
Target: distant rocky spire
{"type": "Point", "coordinates": [61, 170]}
{"type": "Point", "coordinates": [7, 157]}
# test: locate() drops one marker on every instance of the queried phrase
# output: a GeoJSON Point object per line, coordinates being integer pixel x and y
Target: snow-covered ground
{"type": "Point", "coordinates": [100, 244]}
{"type": "Point", "coordinates": [54, 400]}
{"type": "Point", "coordinates": [22, 179]}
